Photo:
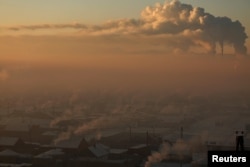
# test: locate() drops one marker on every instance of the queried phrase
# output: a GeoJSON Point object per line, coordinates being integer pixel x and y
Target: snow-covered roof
{"type": "Point", "coordinates": [98, 151]}
{"type": "Point", "coordinates": [73, 142]}
{"type": "Point", "coordinates": [102, 146]}
{"type": "Point", "coordinates": [118, 151]}
{"type": "Point", "coordinates": [15, 165]}
{"type": "Point", "coordinates": [50, 153]}
{"type": "Point", "coordinates": [199, 158]}
{"type": "Point", "coordinates": [139, 146]}
{"type": "Point", "coordinates": [8, 152]}
{"type": "Point", "coordinates": [8, 141]}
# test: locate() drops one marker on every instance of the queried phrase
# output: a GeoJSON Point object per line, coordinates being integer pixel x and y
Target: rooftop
{"type": "Point", "coordinates": [8, 141]}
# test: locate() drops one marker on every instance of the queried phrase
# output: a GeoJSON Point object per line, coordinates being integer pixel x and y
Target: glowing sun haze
{"type": "Point", "coordinates": [172, 45]}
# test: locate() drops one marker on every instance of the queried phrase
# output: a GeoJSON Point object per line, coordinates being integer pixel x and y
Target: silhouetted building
{"type": "Point", "coordinates": [11, 142]}
{"type": "Point", "coordinates": [74, 145]}
{"type": "Point", "coordinates": [141, 149]}
{"type": "Point", "coordinates": [239, 140]}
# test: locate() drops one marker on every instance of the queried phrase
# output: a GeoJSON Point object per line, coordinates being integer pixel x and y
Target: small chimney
{"type": "Point", "coordinates": [239, 140]}
{"type": "Point", "coordinates": [181, 134]}
{"type": "Point", "coordinates": [147, 138]}
{"type": "Point", "coordinates": [130, 133]}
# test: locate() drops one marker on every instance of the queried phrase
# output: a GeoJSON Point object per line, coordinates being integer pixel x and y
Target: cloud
{"type": "Point", "coordinates": [194, 22]}
{"type": "Point", "coordinates": [183, 25]}
{"type": "Point", "coordinates": [47, 26]}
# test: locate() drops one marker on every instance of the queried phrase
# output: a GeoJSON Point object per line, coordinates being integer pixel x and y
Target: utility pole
{"type": "Point", "coordinates": [181, 136]}
{"type": "Point", "coordinates": [147, 138]}
{"type": "Point", "coordinates": [181, 132]}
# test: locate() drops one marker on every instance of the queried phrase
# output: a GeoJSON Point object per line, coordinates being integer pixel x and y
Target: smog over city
{"type": "Point", "coordinates": [138, 84]}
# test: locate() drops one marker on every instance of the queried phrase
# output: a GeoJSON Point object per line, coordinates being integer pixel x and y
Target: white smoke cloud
{"type": "Point", "coordinates": [47, 26]}
{"type": "Point", "coordinates": [117, 118]}
{"type": "Point", "coordinates": [67, 115]}
{"type": "Point", "coordinates": [158, 156]}
{"type": "Point", "coordinates": [177, 18]}
{"type": "Point", "coordinates": [64, 135]}
{"type": "Point", "coordinates": [185, 26]}
{"type": "Point", "coordinates": [180, 148]}
{"type": "Point", "coordinates": [98, 123]}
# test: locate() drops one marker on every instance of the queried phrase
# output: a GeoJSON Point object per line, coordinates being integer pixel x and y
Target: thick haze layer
{"type": "Point", "coordinates": [171, 47]}
{"type": "Point", "coordinates": [176, 65]}
{"type": "Point", "coordinates": [115, 69]}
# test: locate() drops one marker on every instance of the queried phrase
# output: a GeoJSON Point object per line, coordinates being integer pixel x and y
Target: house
{"type": "Point", "coordinates": [44, 138]}
{"type": "Point", "coordinates": [199, 159]}
{"type": "Point", "coordinates": [16, 130]}
{"type": "Point", "coordinates": [10, 153]}
{"type": "Point", "coordinates": [15, 144]}
{"type": "Point", "coordinates": [74, 145]}
{"type": "Point", "coordinates": [125, 139]}
{"type": "Point", "coordinates": [117, 153]}
{"type": "Point", "coordinates": [49, 158]}
{"type": "Point", "coordinates": [97, 151]}
{"type": "Point", "coordinates": [15, 165]}
{"type": "Point", "coordinates": [53, 153]}
{"type": "Point", "coordinates": [28, 129]}
{"type": "Point", "coordinates": [8, 142]}
{"type": "Point", "coordinates": [141, 149]}
{"type": "Point", "coordinates": [10, 156]}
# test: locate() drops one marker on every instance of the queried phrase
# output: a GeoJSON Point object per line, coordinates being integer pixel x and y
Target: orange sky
{"type": "Point", "coordinates": [99, 63]}
{"type": "Point", "coordinates": [146, 53]}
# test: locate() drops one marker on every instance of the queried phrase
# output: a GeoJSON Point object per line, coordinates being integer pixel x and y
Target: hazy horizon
{"type": "Point", "coordinates": [171, 46]}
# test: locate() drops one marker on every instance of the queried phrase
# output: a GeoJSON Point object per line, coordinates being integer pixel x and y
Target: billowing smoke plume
{"type": "Point", "coordinates": [64, 135]}
{"type": "Point", "coordinates": [182, 25]}
{"type": "Point", "coordinates": [67, 115]}
{"type": "Point", "coordinates": [94, 125]}
{"type": "Point", "coordinates": [180, 149]}
{"type": "Point", "coordinates": [120, 116]}
{"type": "Point", "coordinates": [203, 28]}
{"type": "Point", "coordinates": [158, 156]}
